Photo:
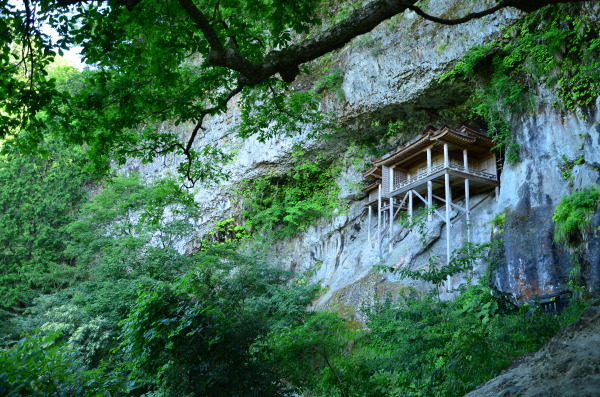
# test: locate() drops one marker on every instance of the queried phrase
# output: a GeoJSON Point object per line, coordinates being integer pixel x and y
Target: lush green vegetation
{"type": "Point", "coordinates": [39, 198]}
{"type": "Point", "coordinates": [572, 216]}
{"type": "Point", "coordinates": [96, 297]}
{"type": "Point", "coordinates": [278, 206]}
{"type": "Point", "coordinates": [234, 326]}
{"type": "Point", "coordinates": [556, 47]}
{"type": "Point", "coordinates": [143, 319]}
{"type": "Point", "coordinates": [137, 317]}
{"type": "Point", "coordinates": [414, 346]}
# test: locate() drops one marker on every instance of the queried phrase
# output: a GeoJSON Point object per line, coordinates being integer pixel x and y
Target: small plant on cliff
{"type": "Point", "coordinates": [330, 81]}
{"type": "Point", "coordinates": [499, 220]}
{"type": "Point", "coordinates": [572, 216]}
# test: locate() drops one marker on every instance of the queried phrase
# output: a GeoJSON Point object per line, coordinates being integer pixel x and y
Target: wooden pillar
{"type": "Point", "coordinates": [429, 160]}
{"type": "Point", "coordinates": [448, 199]}
{"type": "Point", "coordinates": [429, 201]}
{"type": "Point", "coordinates": [391, 223]}
{"type": "Point", "coordinates": [429, 188]}
{"type": "Point", "coordinates": [379, 220]}
{"type": "Point", "coordinates": [410, 204]}
{"type": "Point", "coordinates": [467, 196]}
{"type": "Point", "coordinates": [369, 224]}
{"type": "Point", "coordinates": [446, 156]}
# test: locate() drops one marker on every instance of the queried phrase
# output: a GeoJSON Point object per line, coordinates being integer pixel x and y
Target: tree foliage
{"type": "Point", "coordinates": [278, 206]}
{"type": "Point", "coordinates": [198, 336]}
{"type": "Point", "coordinates": [39, 197]}
{"type": "Point", "coordinates": [167, 61]}
{"type": "Point", "coordinates": [41, 365]}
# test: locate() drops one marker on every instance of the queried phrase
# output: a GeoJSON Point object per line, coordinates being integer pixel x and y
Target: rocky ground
{"type": "Point", "coordinates": [569, 365]}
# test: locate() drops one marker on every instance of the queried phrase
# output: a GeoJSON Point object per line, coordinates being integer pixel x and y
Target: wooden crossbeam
{"type": "Point", "coordinates": [487, 196]}
{"type": "Point", "coordinates": [452, 204]}
{"type": "Point", "coordinates": [421, 197]}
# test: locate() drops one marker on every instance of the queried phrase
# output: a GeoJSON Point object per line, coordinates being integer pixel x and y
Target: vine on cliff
{"type": "Point", "coordinates": [557, 47]}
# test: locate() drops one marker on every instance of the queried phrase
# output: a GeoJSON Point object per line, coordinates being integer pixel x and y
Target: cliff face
{"type": "Point", "coordinates": [530, 191]}
{"type": "Point", "coordinates": [392, 73]}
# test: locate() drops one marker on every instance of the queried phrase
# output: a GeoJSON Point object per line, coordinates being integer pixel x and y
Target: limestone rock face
{"type": "Point", "coordinates": [393, 71]}
{"type": "Point", "coordinates": [569, 365]}
{"type": "Point", "coordinates": [530, 191]}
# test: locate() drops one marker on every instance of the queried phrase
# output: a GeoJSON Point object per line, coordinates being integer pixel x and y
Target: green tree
{"type": "Point", "coordinates": [176, 61]}
{"type": "Point", "coordinates": [39, 197]}
{"type": "Point", "coordinates": [41, 365]}
{"type": "Point", "coordinates": [198, 336]}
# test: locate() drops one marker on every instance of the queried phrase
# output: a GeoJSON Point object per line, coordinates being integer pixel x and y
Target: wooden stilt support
{"type": "Point", "coordinates": [429, 201]}
{"type": "Point", "coordinates": [391, 216]}
{"type": "Point", "coordinates": [369, 224]}
{"type": "Point", "coordinates": [448, 225]}
{"type": "Point", "coordinates": [467, 197]}
{"type": "Point", "coordinates": [379, 220]}
{"type": "Point", "coordinates": [390, 243]}
{"type": "Point", "coordinates": [429, 188]}
{"type": "Point", "coordinates": [410, 204]}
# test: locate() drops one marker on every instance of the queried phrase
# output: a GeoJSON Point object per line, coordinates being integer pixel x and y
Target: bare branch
{"type": "Point", "coordinates": [523, 5]}
{"type": "Point", "coordinates": [206, 112]}
{"type": "Point", "coordinates": [458, 21]}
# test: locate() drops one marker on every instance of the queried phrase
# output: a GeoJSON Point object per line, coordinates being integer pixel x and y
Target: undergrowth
{"type": "Point", "coordinates": [415, 345]}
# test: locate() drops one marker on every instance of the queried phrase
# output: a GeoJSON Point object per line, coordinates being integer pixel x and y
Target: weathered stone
{"type": "Point", "coordinates": [569, 365]}
{"type": "Point", "coordinates": [530, 191]}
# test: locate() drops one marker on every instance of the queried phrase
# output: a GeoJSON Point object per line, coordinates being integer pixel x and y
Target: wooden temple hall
{"type": "Point", "coordinates": [439, 170]}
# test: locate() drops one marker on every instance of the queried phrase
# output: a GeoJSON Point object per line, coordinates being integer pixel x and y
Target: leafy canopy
{"type": "Point", "coordinates": [175, 61]}
{"type": "Point", "coordinates": [39, 197]}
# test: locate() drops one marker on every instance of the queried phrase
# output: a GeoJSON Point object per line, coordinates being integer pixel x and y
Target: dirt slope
{"type": "Point", "coordinates": [569, 365]}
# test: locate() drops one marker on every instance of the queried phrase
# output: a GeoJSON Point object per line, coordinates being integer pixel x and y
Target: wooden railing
{"type": "Point", "coordinates": [452, 166]}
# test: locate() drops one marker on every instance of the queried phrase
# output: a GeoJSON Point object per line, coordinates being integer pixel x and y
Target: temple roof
{"type": "Point", "coordinates": [372, 186]}
{"type": "Point", "coordinates": [463, 137]}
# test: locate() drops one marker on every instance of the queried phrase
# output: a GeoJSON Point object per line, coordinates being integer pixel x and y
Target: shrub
{"type": "Point", "coordinates": [573, 213]}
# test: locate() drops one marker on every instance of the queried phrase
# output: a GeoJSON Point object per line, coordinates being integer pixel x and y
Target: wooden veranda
{"type": "Point", "coordinates": [439, 168]}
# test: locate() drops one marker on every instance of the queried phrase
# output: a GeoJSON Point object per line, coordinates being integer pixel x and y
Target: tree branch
{"type": "Point", "coordinates": [219, 55]}
{"type": "Point", "coordinates": [287, 61]}
{"type": "Point", "coordinates": [466, 18]}
{"type": "Point", "coordinates": [523, 5]}
{"type": "Point", "coordinates": [203, 24]}
{"type": "Point", "coordinates": [206, 112]}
